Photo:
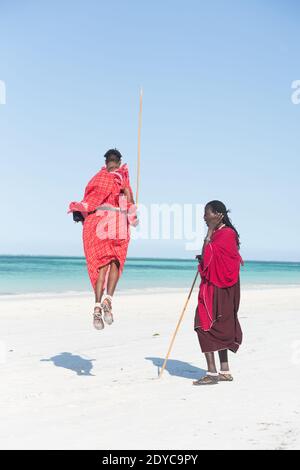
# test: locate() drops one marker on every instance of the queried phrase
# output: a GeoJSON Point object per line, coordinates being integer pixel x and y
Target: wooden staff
{"type": "Point", "coordinates": [139, 149]}
{"type": "Point", "coordinates": [177, 327]}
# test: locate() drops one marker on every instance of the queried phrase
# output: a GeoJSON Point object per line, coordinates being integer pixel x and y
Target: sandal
{"type": "Point", "coordinates": [106, 306]}
{"type": "Point", "coordinates": [207, 380]}
{"type": "Point", "coordinates": [225, 376]}
{"type": "Point", "coordinates": [97, 317]}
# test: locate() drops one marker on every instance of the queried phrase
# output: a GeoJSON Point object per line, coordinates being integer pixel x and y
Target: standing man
{"type": "Point", "coordinates": [216, 320]}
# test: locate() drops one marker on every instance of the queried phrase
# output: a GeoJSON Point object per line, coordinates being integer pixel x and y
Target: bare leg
{"type": "Point", "coordinates": [212, 376]}
{"type": "Point", "coordinates": [210, 359]}
{"type": "Point", "coordinates": [113, 278]}
{"type": "Point", "coordinates": [97, 321]}
{"type": "Point", "coordinates": [100, 283]}
{"type": "Point", "coordinates": [223, 356]}
{"type": "Point", "coordinates": [224, 375]}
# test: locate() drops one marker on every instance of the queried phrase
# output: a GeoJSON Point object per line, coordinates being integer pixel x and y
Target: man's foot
{"type": "Point", "coordinates": [107, 309]}
{"type": "Point", "coordinates": [225, 376]}
{"type": "Point", "coordinates": [207, 380]}
{"type": "Point", "coordinates": [97, 317]}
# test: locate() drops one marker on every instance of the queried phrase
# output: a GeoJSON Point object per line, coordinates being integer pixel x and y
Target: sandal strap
{"type": "Point", "coordinates": [207, 379]}
{"type": "Point", "coordinates": [107, 297]}
{"type": "Point", "coordinates": [98, 304]}
{"type": "Point", "coordinates": [97, 315]}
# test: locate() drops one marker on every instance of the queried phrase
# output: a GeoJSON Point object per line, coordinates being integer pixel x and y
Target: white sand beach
{"type": "Point", "coordinates": [65, 385]}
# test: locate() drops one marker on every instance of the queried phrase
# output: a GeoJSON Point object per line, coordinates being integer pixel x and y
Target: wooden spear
{"type": "Point", "coordinates": [177, 327]}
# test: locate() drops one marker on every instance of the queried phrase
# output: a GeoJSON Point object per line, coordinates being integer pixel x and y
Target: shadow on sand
{"type": "Point", "coordinates": [178, 368]}
{"type": "Point", "coordinates": [75, 363]}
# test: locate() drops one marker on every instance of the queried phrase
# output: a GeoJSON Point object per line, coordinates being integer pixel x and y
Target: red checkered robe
{"type": "Point", "coordinates": [106, 233]}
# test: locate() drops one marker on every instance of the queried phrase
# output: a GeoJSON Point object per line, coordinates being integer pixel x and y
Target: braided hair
{"type": "Point", "coordinates": [112, 155]}
{"type": "Point", "coordinates": [218, 206]}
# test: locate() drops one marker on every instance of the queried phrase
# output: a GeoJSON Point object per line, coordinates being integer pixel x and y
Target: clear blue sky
{"type": "Point", "coordinates": [218, 120]}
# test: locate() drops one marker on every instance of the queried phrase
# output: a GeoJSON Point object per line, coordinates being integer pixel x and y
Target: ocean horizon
{"type": "Point", "coordinates": [38, 274]}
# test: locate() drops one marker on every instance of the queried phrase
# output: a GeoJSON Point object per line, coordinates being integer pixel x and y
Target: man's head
{"type": "Point", "coordinates": [112, 159]}
{"type": "Point", "coordinates": [212, 209]}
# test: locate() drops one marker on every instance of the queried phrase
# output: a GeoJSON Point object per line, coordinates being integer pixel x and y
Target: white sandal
{"type": "Point", "coordinates": [97, 317]}
{"type": "Point", "coordinates": [107, 309]}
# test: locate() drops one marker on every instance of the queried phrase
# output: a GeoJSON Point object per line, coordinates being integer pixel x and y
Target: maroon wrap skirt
{"type": "Point", "coordinates": [226, 332]}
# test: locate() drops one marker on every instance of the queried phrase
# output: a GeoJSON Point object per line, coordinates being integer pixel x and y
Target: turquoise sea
{"type": "Point", "coordinates": [43, 274]}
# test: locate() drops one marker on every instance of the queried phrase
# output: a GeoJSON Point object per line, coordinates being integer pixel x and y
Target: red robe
{"type": "Point", "coordinates": [106, 233]}
{"type": "Point", "coordinates": [220, 266]}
